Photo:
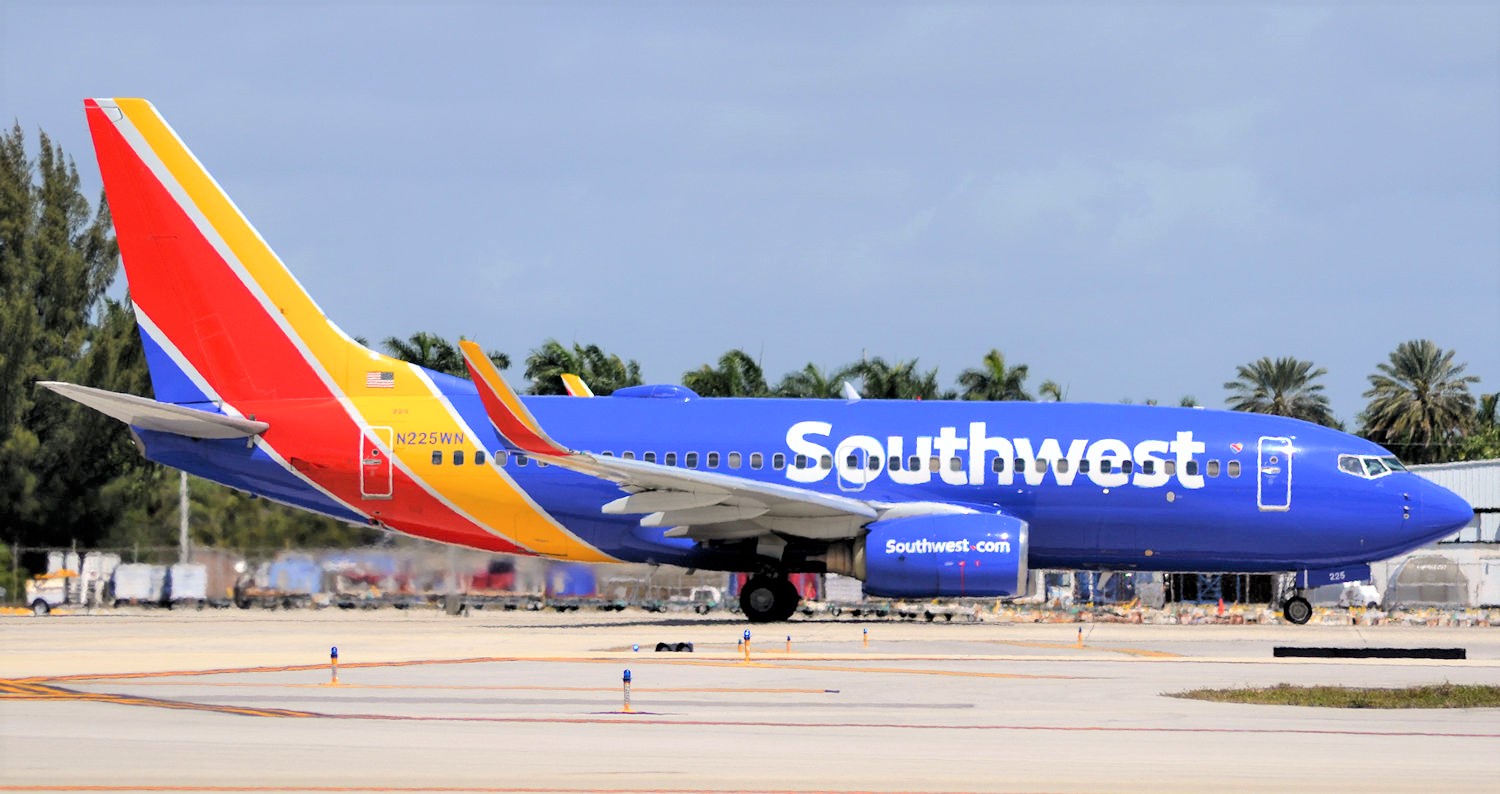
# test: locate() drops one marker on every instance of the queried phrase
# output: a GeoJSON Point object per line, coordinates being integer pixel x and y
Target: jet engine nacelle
{"type": "Point", "coordinates": [971, 554]}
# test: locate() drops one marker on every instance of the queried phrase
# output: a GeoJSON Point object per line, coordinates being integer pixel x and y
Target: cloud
{"type": "Point", "coordinates": [1127, 206]}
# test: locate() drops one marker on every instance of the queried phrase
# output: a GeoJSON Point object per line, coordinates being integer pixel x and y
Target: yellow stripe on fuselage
{"type": "Point", "coordinates": [484, 493]}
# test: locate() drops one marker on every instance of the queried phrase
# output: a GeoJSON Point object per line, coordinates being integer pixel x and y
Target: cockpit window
{"type": "Point", "coordinates": [1369, 466]}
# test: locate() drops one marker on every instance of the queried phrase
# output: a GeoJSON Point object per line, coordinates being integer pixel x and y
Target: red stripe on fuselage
{"type": "Point", "coordinates": [225, 333]}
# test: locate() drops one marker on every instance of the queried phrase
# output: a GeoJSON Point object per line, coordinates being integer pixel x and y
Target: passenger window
{"type": "Point", "coordinates": [997, 465]}
{"type": "Point", "coordinates": [1106, 466]}
{"type": "Point", "coordinates": [713, 460]}
{"type": "Point", "coordinates": [800, 462]}
{"type": "Point", "coordinates": [778, 461]}
{"type": "Point", "coordinates": [734, 460]}
{"type": "Point", "coordinates": [1127, 466]}
{"type": "Point", "coordinates": [649, 457]}
{"type": "Point", "coordinates": [1234, 468]}
{"type": "Point", "coordinates": [826, 461]}
{"type": "Point", "coordinates": [894, 464]}
{"type": "Point", "coordinates": [934, 464]}
{"type": "Point", "coordinates": [520, 459]}
{"type": "Point", "coordinates": [690, 460]}
{"type": "Point", "coordinates": [437, 457]}
{"type": "Point", "coordinates": [913, 463]}
{"type": "Point", "coordinates": [1213, 468]}
{"type": "Point", "coordinates": [458, 457]}
{"type": "Point", "coordinates": [954, 464]}
{"type": "Point", "coordinates": [627, 455]}
{"type": "Point", "coordinates": [1169, 467]}
{"type": "Point", "coordinates": [669, 459]}
{"type": "Point", "coordinates": [851, 462]}
{"type": "Point", "coordinates": [1041, 465]}
{"type": "Point", "coordinates": [1192, 468]}
{"type": "Point", "coordinates": [1020, 464]}
{"type": "Point", "coordinates": [1062, 465]}
{"type": "Point", "coordinates": [501, 458]}
{"type": "Point", "coordinates": [756, 461]}
{"type": "Point", "coordinates": [1084, 466]}
{"type": "Point", "coordinates": [1148, 467]}
{"type": "Point", "coordinates": [606, 453]}
{"type": "Point", "coordinates": [479, 458]}
{"type": "Point", "coordinates": [873, 464]}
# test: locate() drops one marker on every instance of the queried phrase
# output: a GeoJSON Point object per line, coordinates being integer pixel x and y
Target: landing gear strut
{"type": "Point", "coordinates": [768, 599]}
{"type": "Point", "coordinates": [1297, 610]}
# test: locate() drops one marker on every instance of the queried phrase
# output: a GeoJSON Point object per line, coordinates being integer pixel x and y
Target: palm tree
{"type": "Point", "coordinates": [814, 383]}
{"type": "Point", "coordinates": [993, 380]}
{"type": "Point", "coordinates": [1419, 402]}
{"type": "Point", "coordinates": [601, 371]}
{"type": "Point", "coordinates": [1285, 387]}
{"type": "Point", "coordinates": [432, 352]}
{"type": "Point", "coordinates": [899, 381]}
{"type": "Point", "coordinates": [738, 375]}
{"type": "Point", "coordinates": [1050, 390]}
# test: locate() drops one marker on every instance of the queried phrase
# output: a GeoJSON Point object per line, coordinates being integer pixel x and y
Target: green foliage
{"type": "Point", "coordinates": [602, 372]}
{"type": "Point", "coordinates": [436, 353]}
{"type": "Point", "coordinates": [1284, 386]}
{"type": "Point", "coordinates": [57, 257]}
{"type": "Point", "coordinates": [14, 586]}
{"type": "Point", "coordinates": [899, 381]}
{"type": "Point", "coordinates": [738, 375]}
{"type": "Point", "coordinates": [1431, 696]}
{"type": "Point", "coordinates": [222, 518]}
{"type": "Point", "coordinates": [1420, 406]}
{"type": "Point", "coordinates": [994, 380]}
{"type": "Point", "coordinates": [813, 383]}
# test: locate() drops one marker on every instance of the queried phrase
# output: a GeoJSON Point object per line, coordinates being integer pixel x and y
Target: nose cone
{"type": "Point", "coordinates": [1443, 511]}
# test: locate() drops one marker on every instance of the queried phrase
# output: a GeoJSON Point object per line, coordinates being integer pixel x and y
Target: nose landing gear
{"type": "Point", "coordinates": [768, 599]}
{"type": "Point", "coordinates": [1297, 610]}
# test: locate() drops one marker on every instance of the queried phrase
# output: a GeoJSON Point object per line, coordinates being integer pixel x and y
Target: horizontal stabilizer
{"type": "Point", "coordinates": [152, 415]}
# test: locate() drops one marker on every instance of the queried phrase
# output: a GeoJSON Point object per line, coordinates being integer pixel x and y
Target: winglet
{"type": "Point", "coordinates": [509, 416]}
{"type": "Point", "coordinates": [575, 386]}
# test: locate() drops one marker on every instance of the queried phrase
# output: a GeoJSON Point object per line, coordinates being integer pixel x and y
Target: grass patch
{"type": "Point", "coordinates": [1434, 696]}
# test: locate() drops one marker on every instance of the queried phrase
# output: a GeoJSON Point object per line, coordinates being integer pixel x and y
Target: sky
{"type": "Point", "coordinates": [1131, 199]}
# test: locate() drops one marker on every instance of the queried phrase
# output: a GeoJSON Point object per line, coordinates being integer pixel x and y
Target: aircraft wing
{"type": "Point", "coordinates": [695, 504]}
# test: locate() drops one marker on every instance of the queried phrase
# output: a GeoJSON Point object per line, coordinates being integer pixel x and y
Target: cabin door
{"type": "Point", "coordinates": [375, 475]}
{"type": "Point", "coordinates": [1273, 490]}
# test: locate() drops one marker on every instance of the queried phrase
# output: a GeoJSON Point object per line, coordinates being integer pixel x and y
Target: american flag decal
{"type": "Point", "coordinates": [380, 380]}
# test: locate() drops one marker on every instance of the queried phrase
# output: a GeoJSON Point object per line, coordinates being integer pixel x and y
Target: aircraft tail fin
{"type": "Point", "coordinates": [221, 317]}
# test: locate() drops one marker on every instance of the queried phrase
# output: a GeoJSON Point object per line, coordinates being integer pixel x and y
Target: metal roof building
{"type": "Point", "coordinates": [1478, 482]}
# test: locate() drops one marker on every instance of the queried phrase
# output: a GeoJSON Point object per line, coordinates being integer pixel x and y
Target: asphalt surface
{"type": "Point", "coordinates": [243, 701]}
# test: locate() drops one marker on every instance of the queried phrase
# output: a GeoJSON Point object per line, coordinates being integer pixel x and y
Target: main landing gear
{"type": "Point", "coordinates": [1297, 610]}
{"type": "Point", "coordinates": [768, 599]}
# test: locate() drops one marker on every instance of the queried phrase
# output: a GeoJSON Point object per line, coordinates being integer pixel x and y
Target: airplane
{"type": "Point", "coordinates": [255, 388]}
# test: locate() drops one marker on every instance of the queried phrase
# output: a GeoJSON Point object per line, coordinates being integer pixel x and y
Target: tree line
{"type": "Point", "coordinates": [70, 474]}
{"type": "Point", "coordinates": [1420, 404]}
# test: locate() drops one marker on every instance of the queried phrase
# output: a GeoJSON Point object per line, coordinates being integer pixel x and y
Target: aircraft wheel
{"type": "Point", "coordinates": [767, 600]}
{"type": "Point", "coordinates": [1297, 610]}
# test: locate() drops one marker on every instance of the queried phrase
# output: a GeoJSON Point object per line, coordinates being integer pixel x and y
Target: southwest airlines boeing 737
{"type": "Point", "coordinates": [256, 389]}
